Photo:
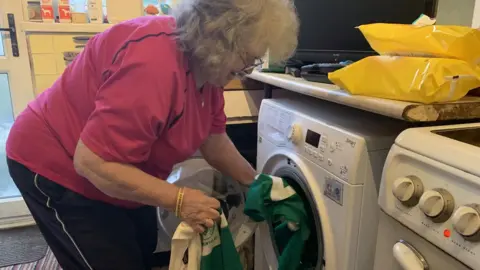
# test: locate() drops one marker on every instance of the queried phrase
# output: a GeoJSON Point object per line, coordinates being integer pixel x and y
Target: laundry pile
{"type": "Point", "coordinates": [273, 200]}
{"type": "Point", "coordinates": [270, 199]}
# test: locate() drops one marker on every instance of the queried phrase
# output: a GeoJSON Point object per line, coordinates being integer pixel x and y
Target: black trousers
{"type": "Point", "coordinates": [87, 234]}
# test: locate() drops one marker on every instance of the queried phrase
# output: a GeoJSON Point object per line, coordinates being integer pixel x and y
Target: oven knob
{"type": "Point", "coordinates": [295, 133]}
{"type": "Point", "coordinates": [437, 204]}
{"type": "Point", "coordinates": [408, 190]}
{"type": "Point", "coordinates": [466, 220]}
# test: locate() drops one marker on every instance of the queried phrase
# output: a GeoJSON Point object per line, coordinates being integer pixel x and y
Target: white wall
{"type": "Point", "coordinates": [456, 12]}
{"type": "Point", "coordinates": [476, 15]}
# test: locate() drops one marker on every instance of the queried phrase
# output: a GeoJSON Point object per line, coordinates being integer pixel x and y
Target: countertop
{"type": "Point", "coordinates": [466, 108]}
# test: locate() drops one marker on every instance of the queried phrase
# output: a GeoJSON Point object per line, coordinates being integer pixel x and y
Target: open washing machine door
{"type": "Point", "coordinates": [196, 173]}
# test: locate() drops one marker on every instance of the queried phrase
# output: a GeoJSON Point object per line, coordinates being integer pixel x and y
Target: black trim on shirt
{"type": "Point", "coordinates": [187, 73]}
{"type": "Point", "coordinates": [125, 46]}
{"type": "Point", "coordinates": [106, 74]}
{"type": "Point", "coordinates": [138, 40]}
{"type": "Point", "coordinates": [176, 118]}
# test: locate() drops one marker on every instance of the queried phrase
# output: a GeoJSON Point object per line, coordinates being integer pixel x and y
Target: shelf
{"type": "Point", "coordinates": [466, 108]}
{"type": "Point", "coordinates": [39, 27]}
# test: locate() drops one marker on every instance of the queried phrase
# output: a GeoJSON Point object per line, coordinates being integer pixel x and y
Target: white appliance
{"type": "Point", "coordinates": [431, 185]}
{"type": "Point", "coordinates": [399, 248]}
{"type": "Point", "coordinates": [333, 156]}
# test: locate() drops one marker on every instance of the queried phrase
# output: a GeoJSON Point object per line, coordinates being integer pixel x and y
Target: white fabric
{"type": "Point", "coordinates": [278, 191]}
{"type": "Point", "coordinates": [185, 238]}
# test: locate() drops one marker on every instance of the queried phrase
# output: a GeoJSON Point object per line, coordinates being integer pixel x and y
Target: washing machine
{"type": "Point", "coordinates": [430, 196]}
{"type": "Point", "coordinates": [333, 157]}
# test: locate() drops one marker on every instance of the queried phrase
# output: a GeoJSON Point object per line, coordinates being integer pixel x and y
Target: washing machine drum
{"type": "Point", "coordinates": [196, 173]}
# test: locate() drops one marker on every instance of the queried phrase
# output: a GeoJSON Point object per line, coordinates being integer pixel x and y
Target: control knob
{"type": "Point", "coordinates": [466, 221]}
{"type": "Point", "coordinates": [437, 204]}
{"type": "Point", "coordinates": [408, 190]}
{"type": "Point", "coordinates": [295, 133]}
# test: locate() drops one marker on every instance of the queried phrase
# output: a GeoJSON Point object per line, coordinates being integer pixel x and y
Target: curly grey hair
{"type": "Point", "coordinates": [212, 31]}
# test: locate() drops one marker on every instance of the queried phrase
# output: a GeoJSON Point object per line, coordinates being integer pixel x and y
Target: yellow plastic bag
{"type": "Point", "coordinates": [442, 41]}
{"type": "Point", "coordinates": [415, 79]}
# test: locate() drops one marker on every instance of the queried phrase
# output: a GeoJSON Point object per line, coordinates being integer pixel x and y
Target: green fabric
{"type": "Point", "coordinates": [218, 248]}
{"type": "Point", "coordinates": [274, 68]}
{"type": "Point", "coordinates": [271, 199]}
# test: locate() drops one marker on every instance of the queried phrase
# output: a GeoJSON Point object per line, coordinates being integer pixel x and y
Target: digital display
{"type": "Point", "coordinates": [313, 138]}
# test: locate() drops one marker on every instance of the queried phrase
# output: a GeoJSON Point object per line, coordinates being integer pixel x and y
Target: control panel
{"type": "Point", "coordinates": [335, 150]}
{"type": "Point", "coordinates": [438, 202]}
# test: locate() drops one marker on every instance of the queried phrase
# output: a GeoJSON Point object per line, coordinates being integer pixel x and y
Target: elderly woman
{"type": "Point", "coordinates": [90, 154]}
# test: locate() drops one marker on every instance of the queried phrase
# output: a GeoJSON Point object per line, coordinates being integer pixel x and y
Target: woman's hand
{"type": "Point", "coordinates": [199, 210]}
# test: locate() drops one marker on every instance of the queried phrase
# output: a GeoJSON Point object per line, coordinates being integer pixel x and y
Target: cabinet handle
{"type": "Point", "coordinates": [12, 30]}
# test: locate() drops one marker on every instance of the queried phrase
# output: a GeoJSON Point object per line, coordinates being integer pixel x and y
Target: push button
{"type": "Point", "coordinates": [322, 148]}
{"type": "Point", "coordinates": [332, 147]}
{"type": "Point", "coordinates": [330, 162]}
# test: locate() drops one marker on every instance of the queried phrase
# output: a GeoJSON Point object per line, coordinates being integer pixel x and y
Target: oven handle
{"type": "Point", "coordinates": [408, 257]}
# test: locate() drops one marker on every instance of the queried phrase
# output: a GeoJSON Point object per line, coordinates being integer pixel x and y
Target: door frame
{"type": "Point", "coordinates": [13, 211]}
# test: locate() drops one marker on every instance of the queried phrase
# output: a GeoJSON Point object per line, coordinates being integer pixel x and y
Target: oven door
{"type": "Point", "coordinates": [399, 248]}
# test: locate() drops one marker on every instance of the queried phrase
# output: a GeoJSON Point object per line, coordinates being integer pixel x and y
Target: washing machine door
{"type": "Point", "coordinates": [196, 173]}
{"type": "Point", "coordinates": [266, 251]}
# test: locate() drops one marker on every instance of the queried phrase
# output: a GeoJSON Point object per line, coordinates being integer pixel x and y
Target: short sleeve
{"type": "Point", "coordinates": [131, 108]}
{"type": "Point", "coordinates": [219, 118]}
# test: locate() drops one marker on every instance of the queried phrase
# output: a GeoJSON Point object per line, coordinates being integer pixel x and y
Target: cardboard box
{"type": "Point", "coordinates": [48, 14]}
{"type": "Point", "coordinates": [64, 13]}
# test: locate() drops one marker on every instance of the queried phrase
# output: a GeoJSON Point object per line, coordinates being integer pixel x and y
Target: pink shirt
{"type": "Point", "coordinates": [130, 97]}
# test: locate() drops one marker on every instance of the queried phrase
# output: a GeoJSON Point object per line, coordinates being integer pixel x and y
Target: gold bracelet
{"type": "Point", "coordinates": [178, 200]}
{"type": "Point", "coordinates": [180, 203]}
{"type": "Point", "coordinates": [178, 206]}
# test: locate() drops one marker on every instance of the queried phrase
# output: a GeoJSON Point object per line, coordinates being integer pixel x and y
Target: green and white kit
{"type": "Point", "coordinates": [212, 249]}
{"type": "Point", "coordinates": [271, 199]}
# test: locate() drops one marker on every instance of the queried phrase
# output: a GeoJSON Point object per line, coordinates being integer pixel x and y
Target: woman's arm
{"type": "Point", "coordinates": [219, 151]}
{"type": "Point", "coordinates": [123, 181]}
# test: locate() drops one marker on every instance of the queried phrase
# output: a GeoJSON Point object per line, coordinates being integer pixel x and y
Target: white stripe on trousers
{"type": "Point", "coordinates": [61, 223]}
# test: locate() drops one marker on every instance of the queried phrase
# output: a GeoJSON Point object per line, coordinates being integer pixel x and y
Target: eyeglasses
{"type": "Point", "coordinates": [249, 69]}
